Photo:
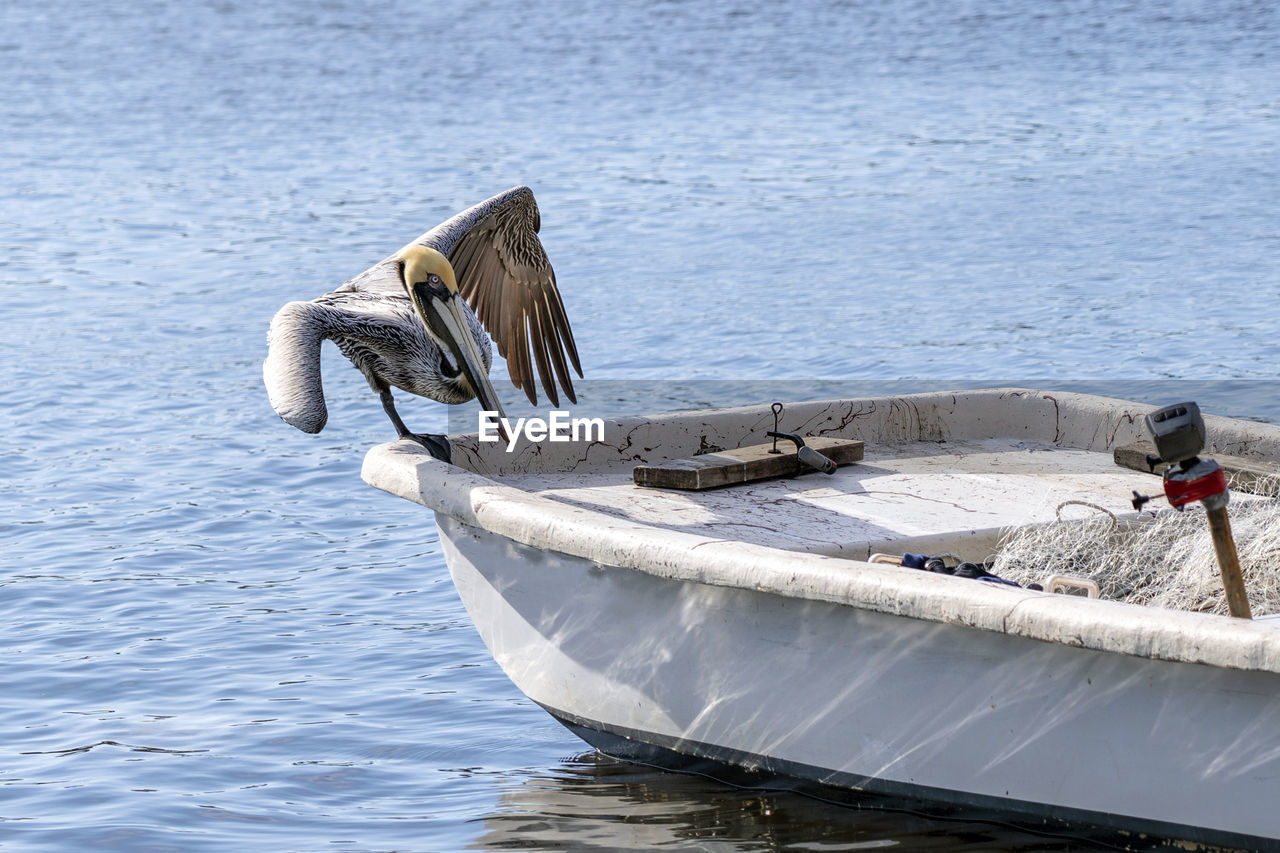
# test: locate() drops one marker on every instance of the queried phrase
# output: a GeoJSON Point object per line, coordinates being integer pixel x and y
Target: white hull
{"type": "Point", "coordinates": [869, 678]}
{"type": "Point", "coordinates": [862, 699]}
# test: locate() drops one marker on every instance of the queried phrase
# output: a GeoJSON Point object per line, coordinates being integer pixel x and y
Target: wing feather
{"type": "Point", "coordinates": [554, 314]}
{"type": "Point", "coordinates": [541, 355]}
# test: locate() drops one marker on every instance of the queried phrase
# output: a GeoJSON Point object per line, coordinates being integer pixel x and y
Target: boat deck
{"type": "Point", "coordinates": [926, 496]}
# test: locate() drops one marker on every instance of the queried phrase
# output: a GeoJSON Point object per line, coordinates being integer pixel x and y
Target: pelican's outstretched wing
{"type": "Point", "coordinates": [505, 276]}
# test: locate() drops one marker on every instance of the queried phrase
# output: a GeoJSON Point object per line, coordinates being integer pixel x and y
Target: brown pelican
{"type": "Point", "coordinates": [417, 321]}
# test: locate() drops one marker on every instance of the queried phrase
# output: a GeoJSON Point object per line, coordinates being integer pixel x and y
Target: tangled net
{"type": "Point", "coordinates": [1166, 560]}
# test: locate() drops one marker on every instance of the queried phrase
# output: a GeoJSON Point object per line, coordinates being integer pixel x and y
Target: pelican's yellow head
{"type": "Point", "coordinates": [432, 287]}
{"type": "Point", "coordinates": [423, 266]}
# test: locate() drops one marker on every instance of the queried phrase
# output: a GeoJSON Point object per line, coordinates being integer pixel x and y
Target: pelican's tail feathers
{"type": "Point", "coordinates": [291, 371]}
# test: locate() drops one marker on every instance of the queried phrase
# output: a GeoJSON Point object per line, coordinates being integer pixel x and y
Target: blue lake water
{"type": "Point", "coordinates": [217, 637]}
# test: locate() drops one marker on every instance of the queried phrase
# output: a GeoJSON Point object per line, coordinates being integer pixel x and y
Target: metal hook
{"type": "Point", "coordinates": [777, 413]}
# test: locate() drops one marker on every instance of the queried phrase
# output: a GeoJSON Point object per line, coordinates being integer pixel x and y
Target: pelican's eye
{"type": "Point", "coordinates": [435, 283]}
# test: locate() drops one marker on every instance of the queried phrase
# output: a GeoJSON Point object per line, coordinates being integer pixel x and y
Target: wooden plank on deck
{"type": "Point", "coordinates": [744, 465]}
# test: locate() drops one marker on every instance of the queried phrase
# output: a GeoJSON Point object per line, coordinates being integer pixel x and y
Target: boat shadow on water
{"type": "Point", "coordinates": [595, 802]}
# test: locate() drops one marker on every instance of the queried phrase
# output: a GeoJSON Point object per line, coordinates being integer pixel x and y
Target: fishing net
{"type": "Point", "coordinates": [1165, 559]}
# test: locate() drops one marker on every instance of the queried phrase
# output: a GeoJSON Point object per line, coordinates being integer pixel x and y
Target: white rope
{"type": "Point", "coordinates": [1102, 509]}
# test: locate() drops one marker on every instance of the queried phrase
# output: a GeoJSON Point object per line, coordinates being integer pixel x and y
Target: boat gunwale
{"type": "Point", "coordinates": [405, 469]}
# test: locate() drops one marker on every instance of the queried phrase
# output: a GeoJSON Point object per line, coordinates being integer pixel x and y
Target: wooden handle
{"type": "Point", "coordinates": [1228, 563]}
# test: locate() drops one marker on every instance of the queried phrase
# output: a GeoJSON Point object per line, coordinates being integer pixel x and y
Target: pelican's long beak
{"type": "Point", "coordinates": [441, 311]}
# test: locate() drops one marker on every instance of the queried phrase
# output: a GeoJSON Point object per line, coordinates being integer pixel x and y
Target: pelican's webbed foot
{"type": "Point", "coordinates": [436, 445]}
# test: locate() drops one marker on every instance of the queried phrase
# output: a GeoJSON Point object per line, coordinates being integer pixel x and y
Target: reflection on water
{"type": "Point", "coordinates": [594, 802]}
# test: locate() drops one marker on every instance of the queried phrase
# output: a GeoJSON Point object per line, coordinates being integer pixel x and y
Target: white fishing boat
{"type": "Point", "coordinates": [746, 626]}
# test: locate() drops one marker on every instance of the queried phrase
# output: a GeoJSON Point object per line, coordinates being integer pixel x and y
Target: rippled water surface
{"type": "Point", "coordinates": [216, 637]}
